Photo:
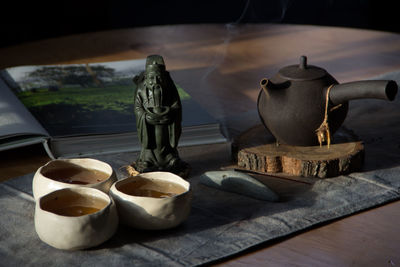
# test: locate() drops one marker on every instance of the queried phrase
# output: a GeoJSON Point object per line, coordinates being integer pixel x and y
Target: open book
{"type": "Point", "coordinates": [84, 109]}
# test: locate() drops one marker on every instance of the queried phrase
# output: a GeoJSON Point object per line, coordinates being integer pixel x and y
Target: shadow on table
{"type": "Point", "coordinates": [377, 124]}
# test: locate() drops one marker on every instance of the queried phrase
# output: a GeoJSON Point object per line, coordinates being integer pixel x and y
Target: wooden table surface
{"type": "Point", "coordinates": [221, 66]}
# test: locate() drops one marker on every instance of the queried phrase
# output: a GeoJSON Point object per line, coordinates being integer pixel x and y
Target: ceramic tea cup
{"type": "Point", "coordinates": [75, 218]}
{"type": "Point", "coordinates": [153, 200]}
{"type": "Point", "coordinates": [68, 173]}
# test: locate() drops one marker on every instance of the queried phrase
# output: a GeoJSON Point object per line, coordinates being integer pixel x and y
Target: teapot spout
{"type": "Point", "coordinates": [264, 84]}
{"type": "Point", "coordinates": [267, 84]}
{"type": "Point", "coordinates": [379, 89]}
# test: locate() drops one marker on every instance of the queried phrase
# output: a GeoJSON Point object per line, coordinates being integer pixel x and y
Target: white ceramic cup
{"type": "Point", "coordinates": [61, 230]}
{"type": "Point", "coordinates": [42, 185]}
{"type": "Point", "coordinates": [152, 213]}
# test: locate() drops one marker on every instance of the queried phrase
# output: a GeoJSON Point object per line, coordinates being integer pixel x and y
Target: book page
{"type": "Point", "coordinates": [79, 99]}
{"type": "Point", "coordinates": [14, 118]}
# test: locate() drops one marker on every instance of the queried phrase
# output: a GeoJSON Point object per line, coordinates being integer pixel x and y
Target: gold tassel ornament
{"type": "Point", "coordinates": [323, 133]}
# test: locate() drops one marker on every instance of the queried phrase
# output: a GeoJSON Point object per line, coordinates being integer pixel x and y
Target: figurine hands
{"type": "Point", "coordinates": [156, 118]}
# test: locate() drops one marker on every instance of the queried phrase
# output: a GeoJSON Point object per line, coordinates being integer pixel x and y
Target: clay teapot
{"type": "Point", "coordinates": [303, 104]}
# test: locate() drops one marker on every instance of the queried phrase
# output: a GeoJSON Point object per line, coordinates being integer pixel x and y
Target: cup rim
{"type": "Point", "coordinates": [114, 188]}
{"type": "Point", "coordinates": [73, 160]}
{"type": "Point", "coordinates": [80, 190]}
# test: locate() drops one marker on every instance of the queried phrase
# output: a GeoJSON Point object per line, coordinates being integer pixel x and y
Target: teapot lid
{"type": "Point", "coordinates": [302, 72]}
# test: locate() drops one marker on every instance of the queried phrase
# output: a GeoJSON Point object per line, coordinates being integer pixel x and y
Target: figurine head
{"type": "Point", "coordinates": [155, 68]}
{"type": "Point", "coordinates": [155, 63]}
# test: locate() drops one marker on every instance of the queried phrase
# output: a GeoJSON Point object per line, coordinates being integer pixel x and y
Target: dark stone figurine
{"type": "Point", "coordinates": [158, 114]}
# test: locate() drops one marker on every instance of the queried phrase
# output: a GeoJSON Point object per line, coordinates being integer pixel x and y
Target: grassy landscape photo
{"type": "Point", "coordinates": [81, 98]}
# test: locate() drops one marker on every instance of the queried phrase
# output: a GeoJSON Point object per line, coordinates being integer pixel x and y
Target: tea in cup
{"type": "Point", "coordinates": [153, 200]}
{"type": "Point", "coordinates": [67, 173]}
{"type": "Point", "coordinates": [75, 218]}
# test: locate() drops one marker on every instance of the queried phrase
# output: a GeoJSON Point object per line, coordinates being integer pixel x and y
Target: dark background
{"type": "Point", "coordinates": [23, 22]}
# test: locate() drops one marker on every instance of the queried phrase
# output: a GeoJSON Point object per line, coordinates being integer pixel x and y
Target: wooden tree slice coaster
{"type": "Point", "coordinates": [311, 161]}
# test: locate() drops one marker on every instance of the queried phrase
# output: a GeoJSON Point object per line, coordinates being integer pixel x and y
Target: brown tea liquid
{"type": "Point", "coordinates": [75, 211]}
{"type": "Point", "coordinates": [74, 174]}
{"type": "Point", "coordinates": [72, 204]}
{"type": "Point", "coordinates": [149, 188]}
{"type": "Point", "coordinates": [152, 193]}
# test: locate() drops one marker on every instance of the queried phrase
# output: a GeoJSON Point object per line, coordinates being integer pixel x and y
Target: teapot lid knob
{"type": "Point", "coordinates": [303, 62]}
{"type": "Point", "coordinates": [302, 72]}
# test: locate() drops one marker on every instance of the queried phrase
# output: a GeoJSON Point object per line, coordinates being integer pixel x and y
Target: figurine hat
{"type": "Point", "coordinates": [155, 63]}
